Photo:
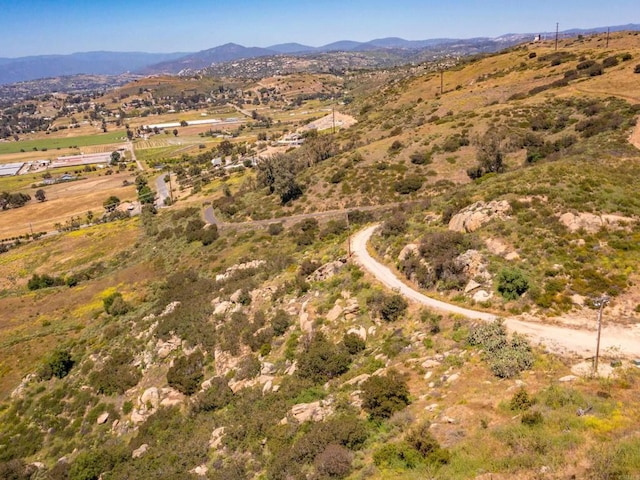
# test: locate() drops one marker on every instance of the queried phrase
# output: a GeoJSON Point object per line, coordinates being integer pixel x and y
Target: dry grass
{"type": "Point", "coordinates": [64, 201]}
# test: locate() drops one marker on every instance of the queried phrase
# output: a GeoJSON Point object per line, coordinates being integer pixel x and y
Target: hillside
{"type": "Point", "coordinates": [231, 335]}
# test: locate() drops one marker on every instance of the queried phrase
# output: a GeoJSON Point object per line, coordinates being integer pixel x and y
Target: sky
{"type": "Point", "coordinates": [38, 27]}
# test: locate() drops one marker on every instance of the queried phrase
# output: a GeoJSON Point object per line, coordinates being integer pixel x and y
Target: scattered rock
{"type": "Point", "coordinates": [140, 451]}
{"type": "Point", "coordinates": [137, 417]}
{"type": "Point", "coordinates": [428, 375]}
{"type": "Point", "coordinates": [222, 308]}
{"type": "Point", "coordinates": [482, 296]}
{"type": "Point", "coordinates": [334, 313]}
{"type": "Point", "coordinates": [267, 368]}
{"type": "Point", "coordinates": [568, 378]}
{"type": "Point", "coordinates": [102, 418]}
{"type": "Point", "coordinates": [431, 408]}
{"type": "Point", "coordinates": [409, 250]}
{"type": "Point", "coordinates": [150, 397]}
{"type": "Point", "coordinates": [358, 380]}
{"type": "Point", "coordinates": [361, 332]}
{"type": "Point", "coordinates": [306, 325]}
{"type": "Point", "coordinates": [472, 285]}
{"type": "Point", "coordinates": [475, 216]}
{"type": "Point", "coordinates": [19, 390]}
{"type": "Point", "coordinates": [290, 370]}
{"type": "Point", "coordinates": [430, 363]}
{"type": "Point", "coordinates": [327, 270]}
{"type": "Point", "coordinates": [235, 296]}
{"type": "Point", "coordinates": [474, 265]}
{"type": "Point", "coordinates": [315, 411]}
{"type": "Point", "coordinates": [446, 419]}
{"type": "Point", "coordinates": [171, 397]}
{"type": "Point", "coordinates": [592, 223]}
{"type": "Point", "coordinates": [242, 266]}
{"type": "Point", "coordinates": [453, 378]}
{"type": "Point", "coordinates": [200, 470]}
{"type": "Point", "coordinates": [216, 437]}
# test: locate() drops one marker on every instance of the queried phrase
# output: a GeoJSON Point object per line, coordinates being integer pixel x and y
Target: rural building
{"type": "Point", "coordinates": [82, 159]}
{"type": "Point", "coordinates": [10, 169]}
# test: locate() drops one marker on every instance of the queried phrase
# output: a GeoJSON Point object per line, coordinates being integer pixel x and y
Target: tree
{"type": "Point", "coordinates": [383, 396]}
{"type": "Point", "coordinates": [186, 373]}
{"type": "Point", "coordinates": [115, 157]}
{"type": "Point", "coordinates": [111, 203]}
{"type": "Point", "coordinates": [512, 283]}
{"type": "Point", "coordinates": [40, 195]}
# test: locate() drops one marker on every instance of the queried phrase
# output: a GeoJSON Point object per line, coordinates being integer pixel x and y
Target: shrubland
{"type": "Point", "coordinates": [257, 349]}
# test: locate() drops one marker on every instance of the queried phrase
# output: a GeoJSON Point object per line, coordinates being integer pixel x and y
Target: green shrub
{"type": "Point", "coordinates": [280, 322]}
{"type": "Point", "coordinates": [59, 364]}
{"type": "Point", "coordinates": [116, 375]}
{"type": "Point", "coordinates": [506, 358]}
{"type": "Point", "coordinates": [353, 343]}
{"type": "Point", "coordinates": [420, 158]}
{"type": "Point", "coordinates": [531, 419]}
{"type": "Point", "coordinates": [115, 305]}
{"type": "Point", "coordinates": [512, 283]}
{"type": "Point", "coordinates": [218, 395]}
{"type": "Point", "coordinates": [37, 282]}
{"type": "Point", "coordinates": [186, 373]}
{"type": "Point", "coordinates": [321, 360]}
{"type": "Point", "coordinates": [396, 456]}
{"type": "Point", "coordinates": [90, 465]}
{"type": "Point", "coordinates": [275, 229]}
{"type": "Point", "coordinates": [384, 395]}
{"type": "Point", "coordinates": [520, 400]}
{"type": "Point", "coordinates": [409, 184]}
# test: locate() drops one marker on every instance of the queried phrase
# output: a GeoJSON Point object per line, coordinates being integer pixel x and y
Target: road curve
{"type": "Point", "coordinates": [622, 341]}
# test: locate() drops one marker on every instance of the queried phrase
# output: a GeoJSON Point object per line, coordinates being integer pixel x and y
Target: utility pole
{"type": "Point", "coordinates": [348, 237]}
{"type": "Point", "coordinates": [607, 37]}
{"type": "Point", "coordinates": [557, 24]}
{"type": "Point", "coordinates": [600, 303]}
{"type": "Point", "coordinates": [441, 82]}
{"type": "Point", "coordinates": [333, 113]}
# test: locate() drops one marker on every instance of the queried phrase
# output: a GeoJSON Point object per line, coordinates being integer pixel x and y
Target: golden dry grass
{"type": "Point", "coordinates": [64, 201]}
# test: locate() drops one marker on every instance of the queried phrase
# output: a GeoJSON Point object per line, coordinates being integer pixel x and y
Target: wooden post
{"type": "Point", "coordinates": [601, 302]}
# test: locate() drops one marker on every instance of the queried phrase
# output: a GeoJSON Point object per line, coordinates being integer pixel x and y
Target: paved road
{"type": "Point", "coordinates": [624, 341]}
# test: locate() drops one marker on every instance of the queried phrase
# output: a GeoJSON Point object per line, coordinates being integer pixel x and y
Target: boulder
{"type": "Point", "coordinates": [306, 325]}
{"type": "Point", "coordinates": [482, 296]}
{"type": "Point", "coordinates": [471, 218]}
{"type": "Point", "coordinates": [200, 470]}
{"type": "Point", "coordinates": [102, 418]}
{"type": "Point", "coordinates": [472, 285]}
{"type": "Point", "coordinates": [334, 313]}
{"type": "Point", "coordinates": [216, 437]}
{"type": "Point", "coordinates": [361, 332]}
{"type": "Point", "coordinates": [150, 397]}
{"type": "Point", "coordinates": [327, 270]}
{"type": "Point", "coordinates": [409, 250]}
{"type": "Point", "coordinates": [140, 451]}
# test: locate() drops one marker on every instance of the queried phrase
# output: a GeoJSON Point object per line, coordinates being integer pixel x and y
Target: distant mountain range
{"type": "Point", "coordinates": [13, 70]}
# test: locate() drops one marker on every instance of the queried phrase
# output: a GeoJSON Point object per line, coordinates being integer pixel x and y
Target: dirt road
{"type": "Point", "coordinates": [623, 341]}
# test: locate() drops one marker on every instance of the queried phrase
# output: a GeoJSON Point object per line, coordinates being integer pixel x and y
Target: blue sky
{"type": "Point", "coordinates": [35, 27]}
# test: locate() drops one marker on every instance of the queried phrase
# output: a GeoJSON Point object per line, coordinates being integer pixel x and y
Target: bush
{"type": "Point", "coordinates": [115, 305]}
{"type": "Point", "coordinates": [637, 69]}
{"type": "Point", "coordinates": [334, 462]}
{"type": "Point", "coordinates": [420, 158]}
{"type": "Point", "coordinates": [321, 360]}
{"type": "Point", "coordinates": [383, 396]}
{"type": "Point", "coordinates": [506, 359]}
{"type": "Point", "coordinates": [59, 364]}
{"type": "Point", "coordinates": [531, 419]}
{"type": "Point", "coordinates": [393, 307]}
{"type": "Point", "coordinates": [280, 322]}
{"type": "Point", "coordinates": [610, 62]}
{"type": "Point", "coordinates": [520, 400]}
{"type": "Point", "coordinates": [395, 225]}
{"type": "Point", "coordinates": [353, 343]}
{"type": "Point", "coordinates": [396, 456]}
{"type": "Point", "coordinates": [186, 373]}
{"type": "Point", "coordinates": [275, 229]}
{"type": "Point", "coordinates": [218, 395]}
{"type": "Point", "coordinates": [409, 184]}
{"type": "Point", "coordinates": [116, 375]}
{"type": "Point", "coordinates": [512, 283]}
{"type": "Point", "coordinates": [37, 282]}
{"type": "Point", "coordinates": [427, 446]}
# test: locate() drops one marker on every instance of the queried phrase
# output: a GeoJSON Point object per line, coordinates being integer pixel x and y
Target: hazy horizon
{"type": "Point", "coordinates": [39, 27]}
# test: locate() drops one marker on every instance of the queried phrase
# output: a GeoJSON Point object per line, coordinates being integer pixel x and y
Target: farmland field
{"type": "Point", "coordinates": [62, 142]}
{"type": "Point", "coordinates": [65, 200]}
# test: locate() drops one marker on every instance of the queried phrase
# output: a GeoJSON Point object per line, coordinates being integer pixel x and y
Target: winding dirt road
{"type": "Point", "coordinates": [624, 341]}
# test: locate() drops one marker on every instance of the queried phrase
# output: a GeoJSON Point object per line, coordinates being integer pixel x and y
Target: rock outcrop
{"type": "Point", "coordinates": [471, 218]}
{"type": "Point", "coordinates": [592, 223]}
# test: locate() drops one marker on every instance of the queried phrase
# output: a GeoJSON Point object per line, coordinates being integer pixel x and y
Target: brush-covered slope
{"type": "Point", "coordinates": [259, 350]}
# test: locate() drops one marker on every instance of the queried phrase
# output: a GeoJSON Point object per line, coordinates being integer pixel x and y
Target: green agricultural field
{"type": "Point", "coordinates": [52, 143]}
